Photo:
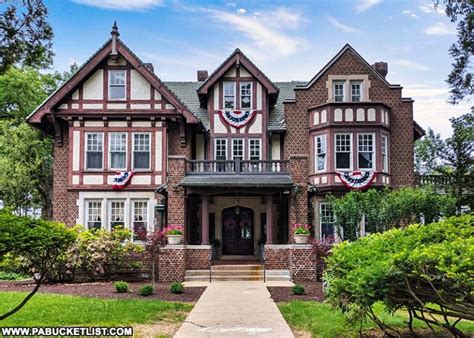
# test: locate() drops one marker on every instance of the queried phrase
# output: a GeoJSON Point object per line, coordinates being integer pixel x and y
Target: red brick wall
{"type": "Point", "coordinates": [197, 259]}
{"type": "Point", "coordinates": [276, 259]}
{"type": "Point", "coordinates": [300, 260]}
{"type": "Point", "coordinates": [172, 264]}
{"type": "Point", "coordinates": [299, 169]}
{"type": "Point", "coordinates": [65, 209]}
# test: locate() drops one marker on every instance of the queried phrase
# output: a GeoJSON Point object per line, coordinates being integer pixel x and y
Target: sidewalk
{"type": "Point", "coordinates": [235, 309]}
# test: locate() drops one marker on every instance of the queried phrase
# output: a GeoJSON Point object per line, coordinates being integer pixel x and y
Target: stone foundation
{"type": "Point", "coordinates": [300, 259]}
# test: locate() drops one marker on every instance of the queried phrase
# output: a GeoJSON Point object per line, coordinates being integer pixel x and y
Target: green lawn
{"type": "Point", "coordinates": [321, 321]}
{"type": "Point", "coordinates": [61, 310]}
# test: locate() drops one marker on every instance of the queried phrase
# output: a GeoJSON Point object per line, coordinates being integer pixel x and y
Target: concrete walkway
{"type": "Point", "coordinates": [235, 309]}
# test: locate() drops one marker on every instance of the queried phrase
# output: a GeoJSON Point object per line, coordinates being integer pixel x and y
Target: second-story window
{"type": "Point", "coordinates": [356, 91]}
{"type": "Point", "coordinates": [238, 148]}
{"type": "Point", "coordinates": [245, 95]}
{"type": "Point", "coordinates": [385, 153]}
{"type": "Point", "coordinates": [94, 151]}
{"type": "Point", "coordinates": [254, 149]}
{"type": "Point", "coordinates": [366, 151]}
{"type": "Point", "coordinates": [221, 149]}
{"type": "Point", "coordinates": [343, 151]}
{"type": "Point", "coordinates": [118, 151]}
{"type": "Point", "coordinates": [117, 85]}
{"type": "Point", "coordinates": [229, 95]}
{"type": "Point", "coordinates": [141, 151]}
{"type": "Point", "coordinates": [338, 91]}
{"type": "Point", "coordinates": [321, 152]}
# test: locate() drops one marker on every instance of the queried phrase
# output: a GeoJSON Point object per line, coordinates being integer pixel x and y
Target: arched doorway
{"type": "Point", "coordinates": [237, 231]}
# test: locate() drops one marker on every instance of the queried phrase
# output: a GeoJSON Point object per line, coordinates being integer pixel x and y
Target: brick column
{"type": "Point", "coordinates": [176, 193]}
{"type": "Point", "coordinates": [205, 220]}
{"type": "Point", "coordinates": [299, 168]}
{"type": "Point", "coordinates": [269, 220]}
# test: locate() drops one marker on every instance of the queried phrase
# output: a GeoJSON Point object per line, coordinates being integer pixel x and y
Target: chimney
{"type": "Point", "coordinates": [202, 75]}
{"type": "Point", "coordinates": [381, 68]}
{"type": "Point", "coordinates": [149, 66]}
{"type": "Point", "coordinates": [115, 34]}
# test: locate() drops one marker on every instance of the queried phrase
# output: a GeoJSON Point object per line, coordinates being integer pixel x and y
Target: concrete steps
{"type": "Point", "coordinates": [247, 272]}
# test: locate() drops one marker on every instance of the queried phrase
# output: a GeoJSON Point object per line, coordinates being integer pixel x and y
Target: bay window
{"type": "Point", "coordinates": [343, 149]}
{"type": "Point", "coordinates": [118, 151]}
{"type": "Point", "coordinates": [229, 95]}
{"type": "Point", "coordinates": [385, 153]}
{"type": "Point", "coordinates": [365, 149]}
{"type": "Point", "coordinates": [94, 214]}
{"type": "Point", "coordinates": [141, 151]}
{"type": "Point", "coordinates": [338, 91]}
{"type": "Point", "coordinates": [140, 220]}
{"type": "Point", "coordinates": [117, 85]}
{"type": "Point", "coordinates": [116, 214]}
{"type": "Point", "coordinates": [245, 95]}
{"type": "Point", "coordinates": [94, 151]}
{"type": "Point", "coordinates": [320, 164]}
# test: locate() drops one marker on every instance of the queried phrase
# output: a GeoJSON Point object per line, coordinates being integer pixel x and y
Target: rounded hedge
{"type": "Point", "coordinates": [146, 290]}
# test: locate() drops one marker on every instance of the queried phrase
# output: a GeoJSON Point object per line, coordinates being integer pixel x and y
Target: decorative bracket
{"type": "Point", "coordinates": [182, 131]}
{"type": "Point", "coordinates": [58, 134]}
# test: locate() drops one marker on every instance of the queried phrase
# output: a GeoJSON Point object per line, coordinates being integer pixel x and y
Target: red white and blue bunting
{"type": "Point", "coordinates": [357, 180]}
{"type": "Point", "coordinates": [121, 179]}
{"type": "Point", "coordinates": [237, 118]}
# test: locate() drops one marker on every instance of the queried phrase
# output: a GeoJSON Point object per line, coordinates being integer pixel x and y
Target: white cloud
{"type": "Point", "coordinates": [410, 64]}
{"type": "Point", "coordinates": [430, 9]}
{"type": "Point", "coordinates": [345, 28]}
{"type": "Point", "coordinates": [410, 14]}
{"type": "Point", "coordinates": [440, 28]}
{"type": "Point", "coordinates": [231, 4]}
{"type": "Point", "coordinates": [363, 5]}
{"type": "Point", "coordinates": [241, 11]}
{"type": "Point", "coordinates": [121, 5]}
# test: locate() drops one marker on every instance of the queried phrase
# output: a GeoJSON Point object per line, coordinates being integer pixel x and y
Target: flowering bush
{"type": "Point", "coordinates": [173, 229]}
{"type": "Point", "coordinates": [301, 229]}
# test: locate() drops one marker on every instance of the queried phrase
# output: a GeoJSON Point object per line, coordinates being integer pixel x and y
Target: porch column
{"type": "Point", "coordinates": [205, 220]}
{"type": "Point", "coordinates": [269, 220]}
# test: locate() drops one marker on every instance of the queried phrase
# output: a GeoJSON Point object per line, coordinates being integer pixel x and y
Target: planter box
{"type": "Point", "coordinates": [301, 239]}
{"type": "Point", "coordinates": [174, 239]}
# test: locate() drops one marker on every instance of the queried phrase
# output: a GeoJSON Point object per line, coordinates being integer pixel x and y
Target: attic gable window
{"type": "Point", "coordinates": [229, 95]}
{"type": "Point", "coordinates": [117, 85]}
{"type": "Point", "coordinates": [246, 95]}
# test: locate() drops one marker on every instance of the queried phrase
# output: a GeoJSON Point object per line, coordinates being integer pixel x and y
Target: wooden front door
{"type": "Point", "coordinates": [237, 231]}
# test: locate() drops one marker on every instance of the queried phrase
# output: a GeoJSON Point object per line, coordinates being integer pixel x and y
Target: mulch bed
{"type": "Point", "coordinates": [107, 290]}
{"type": "Point", "coordinates": [314, 291]}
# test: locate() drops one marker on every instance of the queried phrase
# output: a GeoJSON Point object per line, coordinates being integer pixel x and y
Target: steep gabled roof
{"type": "Point", "coordinates": [347, 47]}
{"type": "Point", "coordinates": [239, 58]}
{"type": "Point", "coordinates": [91, 64]}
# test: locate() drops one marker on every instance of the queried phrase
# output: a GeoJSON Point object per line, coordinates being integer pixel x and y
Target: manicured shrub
{"type": "Point", "coordinates": [177, 288]}
{"type": "Point", "coordinates": [12, 276]}
{"type": "Point", "coordinates": [425, 269]}
{"type": "Point", "coordinates": [298, 290]}
{"type": "Point", "coordinates": [121, 287]}
{"type": "Point", "coordinates": [146, 290]}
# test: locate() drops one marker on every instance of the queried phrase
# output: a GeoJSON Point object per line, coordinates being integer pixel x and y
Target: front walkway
{"type": "Point", "coordinates": [237, 309]}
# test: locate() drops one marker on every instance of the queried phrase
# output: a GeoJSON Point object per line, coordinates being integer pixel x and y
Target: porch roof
{"type": "Point", "coordinates": [253, 181]}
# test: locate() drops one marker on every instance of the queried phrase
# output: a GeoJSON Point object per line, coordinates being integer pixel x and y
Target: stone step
{"type": "Point", "coordinates": [237, 267]}
{"type": "Point", "coordinates": [237, 275]}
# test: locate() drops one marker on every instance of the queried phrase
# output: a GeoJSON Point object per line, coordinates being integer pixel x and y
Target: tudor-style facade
{"type": "Point", "coordinates": [234, 157]}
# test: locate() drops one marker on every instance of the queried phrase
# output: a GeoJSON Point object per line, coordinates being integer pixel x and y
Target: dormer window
{"type": "Point", "coordinates": [245, 95]}
{"type": "Point", "coordinates": [356, 91]}
{"type": "Point", "coordinates": [229, 95]}
{"type": "Point", "coordinates": [117, 85]}
{"type": "Point", "coordinates": [338, 90]}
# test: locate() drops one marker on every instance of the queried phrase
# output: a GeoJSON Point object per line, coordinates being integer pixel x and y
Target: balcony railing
{"type": "Point", "coordinates": [434, 180]}
{"type": "Point", "coordinates": [236, 167]}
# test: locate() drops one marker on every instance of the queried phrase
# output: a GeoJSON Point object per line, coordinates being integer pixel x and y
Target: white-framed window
{"type": "Point", "coordinates": [326, 221]}
{"type": "Point", "coordinates": [140, 220]}
{"type": "Point", "coordinates": [321, 149]}
{"type": "Point", "coordinates": [94, 151]}
{"type": "Point", "coordinates": [245, 95]}
{"type": "Point", "coordinates": [343, 150]}
{"type": "Point", "coordinates": [94, 214]}
{"type": "Point", "coordinates": [366, 150]}
{"type": "Point", "coordinates": [384, 153]}
{"type": "Point", "coordinates": [229, 95]}
{"type": "Point", "coordinates": [118, 151]}
{"type": "Point", "coordinates": [356, 91]}
{"type": "Point", "coordinates": [141, 151]}
{"type": "Point", "coordinates": [116, 213]}
{"type": "Point", "coordinates": [117, 84]}
{"type": "Point", "coordinates": [338, 90]}
{"type": "Point", "coordinates": [238, 148]}
{"type": "Point", "coordinates": [220, 148]}
{"type": "Point", "coordinates": [255, 152]}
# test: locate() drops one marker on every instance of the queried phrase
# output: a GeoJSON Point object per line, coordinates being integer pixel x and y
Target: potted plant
{"type": "Point", "coordinates": [174, 233]}
{"type": "Point", "coordinates": [301, 233]}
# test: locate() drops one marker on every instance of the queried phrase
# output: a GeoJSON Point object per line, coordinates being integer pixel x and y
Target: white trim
{"type": "Point", "coordinates": [149, 151]}
{"type": "Point", "coordinates": [251, 94]}
{"type": "Point", "coordinates": [385, 166]}
{"type": "Point", "coordinates": [324, 136]}
{"type": "Point", "coordinates": [225, 147]}
{"type": "Point", "coordinates": [232, 147]}
{"type": "Point", "coordinates": [351, 154]}
{"type": "Point", "coordinates": [124, 85]}
{"type": "Point", "coordinates": [374, 152]}
{"type": "Point", "coordinates": [109, 135]}
{"type": "Point", "coordinates": [85, 151]}
{"type": "Point", "coordinates": [223, 94]}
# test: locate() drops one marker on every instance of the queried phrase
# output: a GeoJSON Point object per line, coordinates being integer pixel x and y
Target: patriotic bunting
{"type": "Point", "coordinates": [237, 118]}
{"type": "Point", "coordinates": [357, 180]}
{"type": "Point", "coordinates": [121, 179]}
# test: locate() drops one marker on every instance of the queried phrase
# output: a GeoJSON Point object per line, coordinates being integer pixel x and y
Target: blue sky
{"type": "Point", "coordinates": [288, 40]}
